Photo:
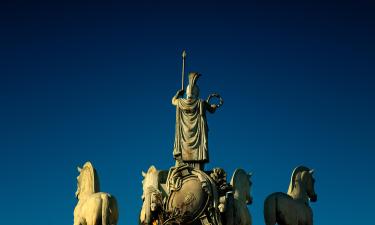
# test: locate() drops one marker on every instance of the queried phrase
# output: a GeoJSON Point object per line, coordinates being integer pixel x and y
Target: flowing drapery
{"type": "Point", "coordinates": [191, 131]}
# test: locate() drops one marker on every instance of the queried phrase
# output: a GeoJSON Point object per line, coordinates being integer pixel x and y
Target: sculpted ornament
{"type": "Point", "coordinates": [186, 195]}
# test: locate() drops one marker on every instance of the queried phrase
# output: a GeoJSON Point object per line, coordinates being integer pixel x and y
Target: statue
{"type": "Point", "coordinates": [292, 208]}
{"type": "Point", "coordinates": [241, 184]}
{"type": "Point", "coordinates": [151, 197]}
{"type": "Point", "coordinates": [191, 140]}
{"type": "Point", "coordinates": [93, 207]}
{"type": "Point", "coordinates": [185, 195]}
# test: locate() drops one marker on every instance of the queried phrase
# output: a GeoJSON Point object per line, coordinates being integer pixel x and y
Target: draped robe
{"type": "Point", "coordinates": [191, 143]}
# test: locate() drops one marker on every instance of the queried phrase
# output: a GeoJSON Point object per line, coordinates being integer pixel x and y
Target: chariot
{"type": "Point", "coordinates": [185, 195]}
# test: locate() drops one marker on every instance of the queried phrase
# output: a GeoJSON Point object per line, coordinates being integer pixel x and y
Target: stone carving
{"type": "Point", "coordinates": [292, 208]}
{"type": "Point", "coordinates": [191, 141]}
{"type": "Point", "coordinates": [241, 184]}
{"type": "Point", "coordinates": [151, 197]}
{"type": "Point", "coordinates": [186, 195]}
{"type": "Point", "coordinates": [93, 207]}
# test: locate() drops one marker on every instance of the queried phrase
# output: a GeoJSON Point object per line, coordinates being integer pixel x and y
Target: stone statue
{"type": "Point", "coordinates": [93, 207]}
{"type": "Point", "coordinates": [189, 196]}
{"type": "Point", "coordinates": [151, 197]}
{"type": "Point", "coordinates": [292, 208]}
{"type": "Point", "coordinates": [241, 184]}
{"type": "Point", "coordinates": [185, 195]}
{"type": "Point", "coordinates": [191, 141]}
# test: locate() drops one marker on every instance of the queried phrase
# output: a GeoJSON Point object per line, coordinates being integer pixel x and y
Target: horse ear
{"type": "Point", "coordinates": [152, 169]}
{"type": "Point", "coordinates": [79, 169]}
{"type": "Point", "coordinates": [143, 174]}
{"type": "Point", "coordinates": [311, 171]}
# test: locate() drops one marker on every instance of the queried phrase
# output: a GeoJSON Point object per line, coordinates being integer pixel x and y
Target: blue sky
{"type": "Point", "coordinates": [93, 80]}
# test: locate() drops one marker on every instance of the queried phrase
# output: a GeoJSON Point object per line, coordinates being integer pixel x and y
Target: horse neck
{"type": "Point", "coordinates": [299, 193]}
{"type": "Point", "coordinates": [239, 194]}
{"type": "Point", "coordinates": [84, 194]}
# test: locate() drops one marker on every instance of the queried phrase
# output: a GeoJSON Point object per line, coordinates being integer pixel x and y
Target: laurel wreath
{"type": "Point", "coordinates": [215, 95]}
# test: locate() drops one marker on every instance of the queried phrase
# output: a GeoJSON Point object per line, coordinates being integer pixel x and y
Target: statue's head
{"type": "Point", "coordinates": [87, 180]}
{"type": "Point", "coordinates": [192, 90]}
{"type": "Point", "coordinates": [303, 176]}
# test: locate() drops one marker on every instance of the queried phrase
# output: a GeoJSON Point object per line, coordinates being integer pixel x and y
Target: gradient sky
{"type": "Point", "coordinates": [93, 80]}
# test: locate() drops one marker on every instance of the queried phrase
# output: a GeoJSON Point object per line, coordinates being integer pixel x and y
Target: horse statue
{"type": "Point", "coordinates": [292, 208]}
{"type": "Point", "coordinates": [191, 196]}
{"type": "Point", "coordinates": [93, 207]}
{"type": "Point", "coordinates": [241, 184]}
{"type": "Point", "coordinates": [151, 197]}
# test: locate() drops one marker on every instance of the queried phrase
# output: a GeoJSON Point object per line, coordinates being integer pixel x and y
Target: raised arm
{"type": "Point", "coordinates": [179, 94]}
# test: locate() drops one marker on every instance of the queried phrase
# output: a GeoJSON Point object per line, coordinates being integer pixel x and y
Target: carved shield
{"type": "Point", "coordinates": [188, 198]}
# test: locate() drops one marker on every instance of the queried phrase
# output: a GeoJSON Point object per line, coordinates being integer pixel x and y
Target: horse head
{"type": "Point", "coordinates": [241, 183]}
{"type": "Point", "coordinates": [310, 185]}
{"type": "Point", "coordinates": [87, 181]}
{"type": "Point", "coordinates": [302, 183]}
{"type": "Point", "coordinates": [151, 195]}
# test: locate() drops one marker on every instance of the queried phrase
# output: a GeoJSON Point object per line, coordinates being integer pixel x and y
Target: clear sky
{"type": "Point", "coordinates": [93, 80]}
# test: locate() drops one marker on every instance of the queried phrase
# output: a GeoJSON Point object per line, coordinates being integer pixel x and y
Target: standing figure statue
{"type": "Point", "coordinates": [191, 140]}
{"type": "Point", "coordinates": [93, 207]}
{"type": "Point", "coordinates": [292, 208]}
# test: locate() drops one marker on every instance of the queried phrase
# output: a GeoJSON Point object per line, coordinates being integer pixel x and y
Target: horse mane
{"type": "Point", "coordinates": [297, 170]}
{"type": "Point", "coordinates": [90, 180]}
{"type": "Point", "coordinates": [150, 177]}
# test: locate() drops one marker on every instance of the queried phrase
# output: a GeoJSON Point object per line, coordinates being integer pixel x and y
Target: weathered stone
{"type": "Point", "coordinates": [93, 207]}
{"type": "Point", "coordinates": [292, 208]}
{"type": "Point", "coordinates": [188, 194]}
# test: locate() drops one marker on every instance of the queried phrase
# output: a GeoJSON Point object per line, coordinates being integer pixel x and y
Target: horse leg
{"type": "Point", "coordinates": [269, 211]}
{"type": "Point", "coordinates": [95, 215]}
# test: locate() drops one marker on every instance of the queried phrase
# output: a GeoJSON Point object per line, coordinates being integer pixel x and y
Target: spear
{"type": "Point", "coordinates": [183, 68]}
